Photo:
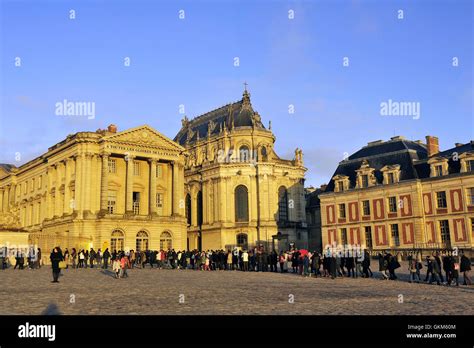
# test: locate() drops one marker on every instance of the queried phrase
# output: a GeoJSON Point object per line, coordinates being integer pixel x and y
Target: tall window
{"type": "Point", "coordinates": [366, 208]}
{"type": "Point", "coordinates": [343, 236]}
{"type": "Point", "coordinates": [441, 199]}
{"type": "Point", "coordinates": [159, 203]}
{"type": "Point", "coordinates": [395, 235]}
{"type": "Point", "coordinates": [188, 209]}
{"type": "Point", "coordinates": [142, 241]}
{"type": "Point", "coordinates": [342, 211]}
{"type": "Point", "coordinates": [166, 242]}
{"type": "Point", "coordinates": [116, 241]}
{"type": "Point", "coordinates": [439, 170]}
{"type": "Point", "coordinates": [112, 165]}
{"type": "Point", "coordinates": [111, 201]}
{"type": "Point", "coordinates": [136, 203]}
{"type": "Point", "coordinates": [242, 240]}
{"type": "Point", "coordinates": [282, 204]}
{"type": "Point", "coordinates": [472, 225]}
{"type": "Point", "coordinates": [199, 208]}
{"type": "Point", "coordinates": [365, 181]}
{"type": "Point", "coordinates": [368, 237]}
{"type": "Point", "coordinates": [470, 195]}
{"type": "Point", "coordinates": [444, 230]}
{"type": "Point", "coordinates": [241, 204]}
{"type": "Point", "coordinates": [136, 168]}
{"type": "Point", "coordinates": [264, 154]}
{"type": "Point", "coordinates": [392, 204]}
{"type": "Point", "coordinates": [244, 154]}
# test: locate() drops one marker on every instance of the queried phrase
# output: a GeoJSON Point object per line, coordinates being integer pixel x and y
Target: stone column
{"type": "Point", "coordinates": [67, 192]}
{"type": "Point", "coordinates": [87, 182]}
{"type": "Point", "coordinates": [152, 192]}
{"type": "Point", "coordinates": [57, 197]}
{"type": "Point", "coordinates": [178, 188]}
{"type": "Point", "coordinates": [79, 185]}
{"type": "Point", "coordinates": [104, 184]}
{"type": "Point", "coordinates": [1, 199]}
{"type": "Point", "coordinates": [129, 188]}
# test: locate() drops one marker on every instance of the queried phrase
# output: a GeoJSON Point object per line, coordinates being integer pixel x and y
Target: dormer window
{"type": "Point", "coordinates": [365, 176]}
{"type": "Point", "coordinates": [438, 166]}
{"type": "Point", "coordinates": [391, 174]}
{"type": "Point", "coordinates": [467, 162]}
{"type": "Point", "coordinates": [341, 183]}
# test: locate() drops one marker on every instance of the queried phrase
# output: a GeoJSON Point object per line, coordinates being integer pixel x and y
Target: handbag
{"type": "Point", "coordinates": [62, 264]}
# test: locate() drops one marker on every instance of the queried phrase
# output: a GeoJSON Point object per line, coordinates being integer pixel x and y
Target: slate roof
{"type": "Point", "coordinates": [240, 114]}
{"type": "Point", "coordinates": [7, 167]}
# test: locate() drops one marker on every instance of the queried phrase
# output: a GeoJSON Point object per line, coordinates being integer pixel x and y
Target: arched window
{"type": "Point", "coordinates": [116, 240]}
{"type": "Point", "coordinates": [166, 241]}
{"type": "Point", "coordinates": [199, 208]}
{"type": "Point", "coordinates": [242, 240]}
{"type": "Point", "coordinates": [282, 204]}
{"type": "Point", "coordinates": [244, 154]}
{"type": "Point", "coordinates": [241, 204]}
{"type": "Point", "coordinates": [263, 151]}
{"type": "Point", "coordinates": [142, 241]}
{"type": "Point", "coordinates": [188, 209]}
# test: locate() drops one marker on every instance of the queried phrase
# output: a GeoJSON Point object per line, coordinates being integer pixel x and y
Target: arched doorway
{"type": "Point", "coordinates": [117, 240]}
{"type": "Point", "coordinates": [142, 241]}
{"type": "Point", "coordinates": [166, 241]}
{"type": "Point", "coordinates": [242, 240]}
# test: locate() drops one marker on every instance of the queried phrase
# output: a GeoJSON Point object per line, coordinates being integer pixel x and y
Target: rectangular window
{"type": "Point", "coordinates": [32, 185]}
{"type": "Point", "coordinates": [159, 171]}
{"type": "Point", "coordinates": [444, 230]}
{"type": "Point", "coordinates": [366, 208]}
{"type": "Point", "coordinates": [340, 185]}
{"type": "Point", "coordinates": [439, 170]}
{"type": "Point", "coordinates": [342, 211]}
{"type": "Point", "coordinates": [368, 237]}
{"type": "Point", "coordinates": [470, 165]}
{"type": "Point", "coordinates": [441, 199]}
{"type": "Point", "coordinates": [392, 204]}
{"type": "Point", "coordinates": [112, 165]}
{"type": "Point", "coordinates": [390, 178]}
{"type": "Point", "coordinates": [159, 203]}
{"type": "Point", "coordinates": [472, 225]}
{"type": "Point", "coordinates": [343, 236]}
{"type": "Point", "coordinates": [136, 168]}
{"type": "Point", "coordinates": [470, 195]}
{"type": "Point", "coordinates": [365, 181]}
{"type": "Point", "coordinates": [395, 235]}
{"type": "Point", "coordinates": [136, 203]}
{"type": "Point", "coordinates": [111, 201]}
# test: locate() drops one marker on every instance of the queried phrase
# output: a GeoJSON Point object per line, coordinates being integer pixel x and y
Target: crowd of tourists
{"type": "Point", "coordinates": [301, 262]}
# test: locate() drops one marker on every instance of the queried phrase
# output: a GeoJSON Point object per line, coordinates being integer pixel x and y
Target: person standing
{"type": "Point", "coordinates": [245, 260]}
{"type": "Point", "coordinates": [92, 257]}
{"type": "Point", "coordinates": [465, 269]}
{"type": "Point", "coordinates": [106, 258]}
{"type": "Point", "coordinates": [73, 258]}
{"type": "Point", "coordinates": [56, 257]}
{"type": "Point", "coordinates": [383, 266]}
{"type": "Point", "coordinates": [435, 269]}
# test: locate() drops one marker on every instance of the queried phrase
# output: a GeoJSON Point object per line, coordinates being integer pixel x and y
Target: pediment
{"type": "Point", "coordinates": [143, 136]}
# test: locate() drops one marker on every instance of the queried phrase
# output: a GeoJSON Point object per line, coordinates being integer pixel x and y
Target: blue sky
{"type": "Point", "coordinates": [190, 61]}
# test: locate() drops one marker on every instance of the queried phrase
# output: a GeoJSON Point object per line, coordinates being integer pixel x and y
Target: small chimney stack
{"type": "Point", "coordinates": [458, 144]}
{"type": "Point", "coordinates": [432, 144]}
{"type": "Point", "coordinates": [112, 128]}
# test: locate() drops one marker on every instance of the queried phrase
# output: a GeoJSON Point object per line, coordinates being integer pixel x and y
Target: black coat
{"type": "Point", "coordinates": [55, 258]}
{"type": "Point", "coordinates": [465, 264]}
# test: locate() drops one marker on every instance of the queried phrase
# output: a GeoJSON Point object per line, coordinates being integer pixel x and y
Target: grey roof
{"type": "Point", "coordinates": [412, 157]}
{"type": "Point", "coordinates": [237, 114]}
{"type": "Point", "coordinates": [7, 167]}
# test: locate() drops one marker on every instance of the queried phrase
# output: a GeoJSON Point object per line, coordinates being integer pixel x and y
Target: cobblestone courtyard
{"type": "Point", "coordinates": [93, 291]}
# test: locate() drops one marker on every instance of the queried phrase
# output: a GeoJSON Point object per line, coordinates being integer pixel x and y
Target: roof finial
{"type": "Point", "coordinates": [245, 86]}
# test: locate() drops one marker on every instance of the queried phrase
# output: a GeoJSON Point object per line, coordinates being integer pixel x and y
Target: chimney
{"type": "Point", "coordinates": [458, 144]}
{"type": "Point", "coordinates": [432, 145]}
{"type": "Point", "coordinates": [112, 128]}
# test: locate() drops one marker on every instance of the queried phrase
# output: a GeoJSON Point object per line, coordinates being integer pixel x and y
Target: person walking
{"type": "Point", "coordinates": [116, 267]}
{"type": "Point", "coordinates": [56, 257]}
{"type": "Point", "coordinates": [413, 269]}
{"type": "Point", "coordinates": [435, 269]}
{"type": "Point", "coordinates": [383, 264]}
{"type": "Point", "coordinates": [74, 258]}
